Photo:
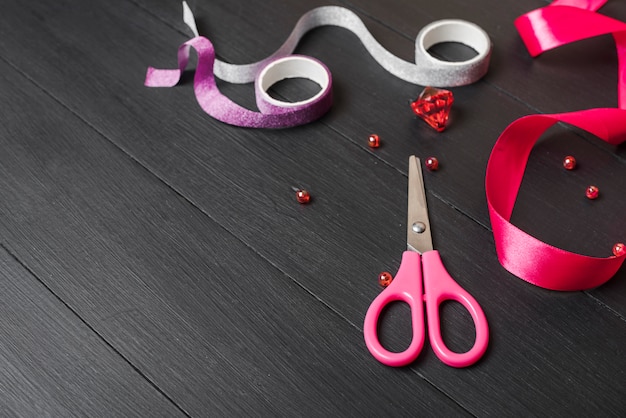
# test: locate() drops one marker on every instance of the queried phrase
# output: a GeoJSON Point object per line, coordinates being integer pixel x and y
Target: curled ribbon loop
{"type": "Point", "coordinates": [427, 70]}
{"type": "Point", "coordinates": [566, 21]}
{"type": "Point", "coordinates": [519, 252]}
{"type": "Point", "coordinates": [539, 263]}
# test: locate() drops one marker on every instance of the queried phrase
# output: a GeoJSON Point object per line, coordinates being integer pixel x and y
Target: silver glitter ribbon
{"type": "Point", "coordinates": [426, 71]}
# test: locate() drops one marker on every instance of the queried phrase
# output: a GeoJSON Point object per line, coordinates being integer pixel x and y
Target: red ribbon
{"type": "Point", "coordinates": [527, 257]}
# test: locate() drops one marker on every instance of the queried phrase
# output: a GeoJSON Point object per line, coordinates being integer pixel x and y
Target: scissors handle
{"type": "Point", "coordinates": [405, 287]}
{"type": "Point", "coordinates": [439, 286]}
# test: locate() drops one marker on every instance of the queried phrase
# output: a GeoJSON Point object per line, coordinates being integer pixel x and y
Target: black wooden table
{"type": "Point", "coordinates": [155, 262]}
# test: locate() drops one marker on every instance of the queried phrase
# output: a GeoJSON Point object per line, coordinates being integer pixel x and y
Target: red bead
{"type": "Point", "coordinates": [619, 249]}
{"type": "Point", "coordinates": [385, 279]}
{"type": "Point", "coordinates": [433, 105]}
{"type": "Point", "coordinates": [569, 162]}
{"type": "Point", "coordinates": [302, 196]}
{"type": "Point", "coordinates": [373, 141]}
{"type": "Point", "coordinates": [432, 163]}
{"type": "Point", "coordinates": [592, 192]}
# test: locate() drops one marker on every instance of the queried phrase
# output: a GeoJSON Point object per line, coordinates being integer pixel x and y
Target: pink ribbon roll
{"type": "Point", "coordinates": [520, 253]}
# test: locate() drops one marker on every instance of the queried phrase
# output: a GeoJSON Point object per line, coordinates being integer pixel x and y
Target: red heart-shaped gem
{"type": "Point", "coordinates": [433, 105]}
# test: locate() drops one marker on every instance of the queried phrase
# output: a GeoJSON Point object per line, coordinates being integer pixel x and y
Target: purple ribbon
{"type": "Point", "coordinates": [274, 113]}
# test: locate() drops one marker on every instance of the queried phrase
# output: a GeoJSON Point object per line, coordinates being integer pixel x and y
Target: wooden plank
{"type": "Point", "coordinates": [210, 322]}
{"type": "Point", "coordinates": [56, 365]}
{"type": "Point", "coordinates": [241, 180]}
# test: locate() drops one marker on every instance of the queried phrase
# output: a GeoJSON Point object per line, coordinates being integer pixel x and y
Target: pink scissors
{"type": "Point", "coordinates": [422, 263]}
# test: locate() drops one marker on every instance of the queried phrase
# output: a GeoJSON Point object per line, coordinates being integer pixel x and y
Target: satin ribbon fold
{"type": "Point", "coordinates": [527, 257]}
{"type": "Point", "coordinates": [519, 252]}
{"type": "Point", "coordinates": [566, 21]}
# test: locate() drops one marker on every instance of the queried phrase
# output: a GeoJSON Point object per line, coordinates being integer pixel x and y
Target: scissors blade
{"type": "Point", "coordinates": [418, 237]}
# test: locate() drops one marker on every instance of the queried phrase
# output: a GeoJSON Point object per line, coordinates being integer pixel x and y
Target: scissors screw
{"type": "Point", "coordinates": [619, 249]}
{"type": "Point", "coordinates": [419, 227]}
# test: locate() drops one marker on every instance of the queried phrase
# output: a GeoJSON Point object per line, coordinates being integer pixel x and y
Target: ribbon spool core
{"type": "Point", "coordinates": [293, 66]}
{"type": "Point", "coordinates": [454, 30]}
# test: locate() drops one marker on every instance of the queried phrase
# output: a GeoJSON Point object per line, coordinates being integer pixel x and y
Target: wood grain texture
{"type": "Point", "coordinates": [56, 365]}
{"type": "Point", "coordinates": [177, 239]}
{"type": "Point", "coordinates": [212, 323]}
